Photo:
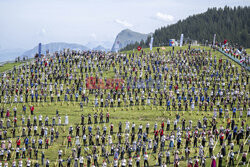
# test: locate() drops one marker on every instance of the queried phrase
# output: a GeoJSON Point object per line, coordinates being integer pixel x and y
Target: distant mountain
{"type": "Point", "coordinates": [100, 48]}
{"type": "Point", "coordinates": [10, 54]}
{"type": "Point", "coordinates": [94, 44]}
{"type": "Point", "coordinates": [54, 46]}
{"type": "Point", "coordinates": [126, 37]}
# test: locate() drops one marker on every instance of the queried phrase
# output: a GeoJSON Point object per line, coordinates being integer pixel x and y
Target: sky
{"type": "Point", "coordinates": [25, 23]}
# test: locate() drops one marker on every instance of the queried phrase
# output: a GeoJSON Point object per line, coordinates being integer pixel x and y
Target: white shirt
{"type": "Point", "coordinates": [124, 162]}
{"type": "Point", "coordinates": [130, 161]}
{"type": "Point", "coordinates": [81, 160]}
{"type": "Point", "coordinates": [28, 163]}
{"type": "Point", "coordinates": [115, 162]}
{"type": "Point", "coordinates": [104, 164]}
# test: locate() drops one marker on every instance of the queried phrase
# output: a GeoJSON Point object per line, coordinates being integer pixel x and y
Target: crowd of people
{"type": "Point", "coordinates": [195, 81]}
{"type": "Point", "coordinates": [237, 52]}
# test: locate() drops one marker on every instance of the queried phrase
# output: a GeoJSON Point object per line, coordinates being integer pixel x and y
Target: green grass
{"type": "Point", "coordinates": [136, 114]}
{"type": "Point", "coordinates": [248, 51]}
{"type": "Point", "coordinates": [9, 66]}
{"type": "Point", "coordinates": [139, 115]}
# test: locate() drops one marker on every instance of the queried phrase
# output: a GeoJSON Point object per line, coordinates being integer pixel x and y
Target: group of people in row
{"type": "Point", "coordinates": [177, 80]}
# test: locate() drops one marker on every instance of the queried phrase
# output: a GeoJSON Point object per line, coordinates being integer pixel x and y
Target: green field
{"type": "Point", "coordinates": [248, 51]}
{"type": "Point", "coordinates": [137, 114]}
{"type": "Point", "coordinates": [9, 66]}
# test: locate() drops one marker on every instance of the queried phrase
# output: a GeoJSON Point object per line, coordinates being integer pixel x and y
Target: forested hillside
{"type": "Point", "coordinates": [228, 23]}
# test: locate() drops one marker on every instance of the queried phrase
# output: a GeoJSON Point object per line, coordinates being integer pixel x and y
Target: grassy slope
{"type": "Point", "coordinates": [9, 66]}
{"type": "Point", "coordinates": [248, 51]}
{"type": "Point", "coordinates": [135, 114]}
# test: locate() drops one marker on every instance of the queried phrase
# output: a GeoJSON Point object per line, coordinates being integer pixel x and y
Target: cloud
{"type": "Point", "coordinates": [42, 32]}
{"type": "Point", "coordinates": [123, 23]}
{"type": "Point", "coordinates": [164, 17]}
{"type": "Point", "coordinates": [93, 35]}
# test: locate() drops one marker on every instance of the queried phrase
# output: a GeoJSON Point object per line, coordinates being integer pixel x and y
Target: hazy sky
{"type": "Point", "coordinates": [25, 23]}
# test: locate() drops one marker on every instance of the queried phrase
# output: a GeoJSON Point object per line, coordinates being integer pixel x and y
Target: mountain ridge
{"type": "Point", "coordinates": [100, 48]}
{"type": "Point", "coordinates": [126, 37]}
{"type": "Point", "coordinates": [54, 46]}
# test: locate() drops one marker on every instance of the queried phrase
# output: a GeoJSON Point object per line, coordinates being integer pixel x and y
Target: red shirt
{"type": "Point", "coordinates": [161, 132]}
{"type": "Point", "coordinates": [18, 142]}
{"type": "Point", "coordinates": [162, 124]}
{"type": "Point", "coordinates": [222, 136]}
{"type": "Point", "coordinates": [156, 133]}
{"type": "Point", "coordinates": [69, 138]}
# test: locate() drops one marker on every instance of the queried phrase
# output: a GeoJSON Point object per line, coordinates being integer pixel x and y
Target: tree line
{"type": "Point", "coordinates": [228, 23]}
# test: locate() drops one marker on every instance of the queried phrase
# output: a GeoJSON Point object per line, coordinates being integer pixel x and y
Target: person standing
{"type": "Point", "coordinates": [69, 141]}
{"type": "Point", "coordinates": [20, 163]}
{"type": "Point", "coordinates": [66, 120]}
{"type": "Point", "coordinates": [81, 161]}
{"type": "Point", "coordinates": [146, 164]}
{"type": "Point", "coordinates": [220, 156]}
{"type": "Point", "coordinates": [231, 158]}
{"type": "Point", "coordinates": [42, 158]}
{"type": "Point", "coordinates": [160, 159]}
{"type": "Point", "coordinates": [168, 157]}
{"type": "Point", "coordinates": [213, 164]}
{"type": "Point", "coordinates": [130, 162]}
{"type": "Point", "coordinates": [138, 161]}
{"type": "Point", "coordinates": [123, 163]}
{"type": "Point", "coordinates": [244, 158]}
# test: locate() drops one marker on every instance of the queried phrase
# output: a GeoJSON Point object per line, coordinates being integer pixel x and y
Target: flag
{"type": "Point", "coordinates": [138, 48]}
{"type": "Point", "coordinates": [214, 39]}
{"type": "Point", "coordinates": [242, 60]}
{"type": "Point", "coordinates": [151, 43]}
{"type": "Point", "coordinates": [171, 42]}
{"type": "Point", "coordinates": [39, 49]}
{"type": "Point", "coordinates": [181, 40]}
